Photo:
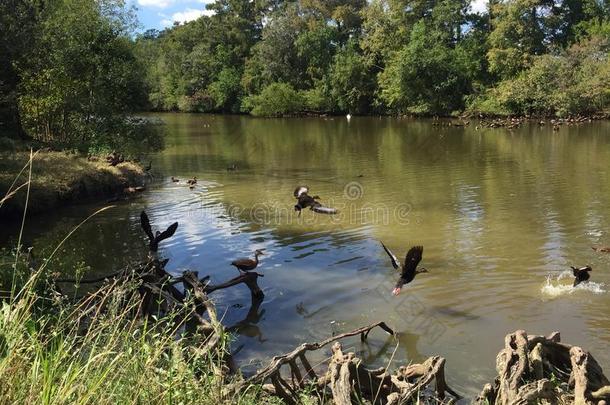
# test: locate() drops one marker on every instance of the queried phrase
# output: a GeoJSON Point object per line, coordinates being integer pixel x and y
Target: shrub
{"type": "Point", "coordinates": [275, 100]}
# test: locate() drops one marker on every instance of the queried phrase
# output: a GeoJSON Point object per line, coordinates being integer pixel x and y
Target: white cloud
{"type": "Point", "coordinates": [187, 15]}
{"type": "Point", "coordinates": [155, 3]}
{"type": "Point", "coordinates": [479, 6]}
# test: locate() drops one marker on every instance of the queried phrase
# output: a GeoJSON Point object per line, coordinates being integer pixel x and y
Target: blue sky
{"type": "Point", "coordinates": [162, 13]}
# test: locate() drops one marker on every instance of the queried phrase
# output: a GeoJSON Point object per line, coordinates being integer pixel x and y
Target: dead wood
{"type": "Point", "coordinates": [536, 368]}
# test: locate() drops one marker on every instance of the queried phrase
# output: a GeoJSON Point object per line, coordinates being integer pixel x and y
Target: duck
{"type": "Point", "coordinates": [304, 200]}
{"type": "Point", "coordinates": [603, 249]}
{"type": "Point", "coordinates": [232, 168]}
{"type": "Point", "coordinates": [581, 274]}
{"type": "Point", "coordinates": [409, 269]}
{"type": "Point", "coordinates": [191, 182]}
{"type": "Point", "coordinates": [175, 180]}
{"type": "Point", "coordinates": [156, 238]}
{"type": "Point", "coordinates": [246, 264]}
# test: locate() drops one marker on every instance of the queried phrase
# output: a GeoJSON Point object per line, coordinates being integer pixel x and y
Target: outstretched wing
{"type": "Point", "coordinates": [168, 232]}
{"type": "Point", "coordinates": [412, 259]}
{"type": "Point", "coordinates": [574, 271]}
{"type": "Point", "coordinates": [146, 225]}
{"type": "Point", "coordinates": [320, 209]}
{"type": "Point", "coordinates": [300, 190]}
{"type": "Point", "coordinates": [395, 262]}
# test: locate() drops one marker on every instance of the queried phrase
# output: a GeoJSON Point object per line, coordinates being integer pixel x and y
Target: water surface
{"type": "Point", "coordinates": [501, 215]}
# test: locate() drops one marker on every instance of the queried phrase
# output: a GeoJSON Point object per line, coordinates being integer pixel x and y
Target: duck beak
{"type": "Point", "coordinates": [396, 291]}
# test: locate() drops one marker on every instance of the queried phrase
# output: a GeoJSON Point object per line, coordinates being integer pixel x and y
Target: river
{"type": "Point", "coordinates": [501, 215]}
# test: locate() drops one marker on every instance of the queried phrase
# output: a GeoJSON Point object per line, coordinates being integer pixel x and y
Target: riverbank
{"type": "Point", "coordinates": [59, 179]}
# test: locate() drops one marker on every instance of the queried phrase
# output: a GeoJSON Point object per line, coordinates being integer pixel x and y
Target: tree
{"type": "Point", "coordinates": [18, 30]}
{"type": "Point", "coordinates": [351, 81]}
{"type": "Point", "coordinates": [80, 73]}
{"type": "Point", "coordinates": [424, 77]}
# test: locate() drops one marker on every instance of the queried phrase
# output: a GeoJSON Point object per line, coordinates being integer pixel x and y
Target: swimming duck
{"type": "Point", "coordinates": [581, 274]}
{"type": "Point", "coordinates": [604, 249]}
{"type": "Point", "coordinates": [409, 269]}
{"type": "Point", "coordinates": [246, 264]}
{"type": "Point", "coordinates": [192, 182]}
{"type": "Point", "coordinates": [232, 168]}
{"type": "Point", "coordinates": [175, 180]}
{"type": "Point", "coordinates": [304, 200]}
{"type": "Point", "coordinates": [155, 239]}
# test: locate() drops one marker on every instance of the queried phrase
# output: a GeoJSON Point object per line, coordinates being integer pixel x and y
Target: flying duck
{"type": "Point", "coordinates": [304, 200]}
{"type": "Point", "coordinates": [581, 274]}
{"type": "Point", "coordinates": [155, 239]}
{"type": "Point", "coordinates": [409, 269]}
{"type": "Point", "coordinates": [247, 264]}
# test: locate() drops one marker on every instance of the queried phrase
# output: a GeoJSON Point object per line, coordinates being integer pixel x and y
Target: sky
{"type": "Point", "coordinates": [159, 14]}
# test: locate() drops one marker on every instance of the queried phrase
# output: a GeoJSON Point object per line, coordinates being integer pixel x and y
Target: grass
{"type": "Point", "coordinates": [60, 178]}
{"type": "Point", "coordinates": [94, 350]}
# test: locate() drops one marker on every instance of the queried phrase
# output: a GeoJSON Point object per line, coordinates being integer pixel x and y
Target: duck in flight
{"type": "Point", "coordinates": [581, 274]}
{"type": "Point", "coordinates": [409, 269]}
{"type": "Point", "coordinates": [304, 200]}
{"type": "Point", "coordinates": [156, 238]}
{"type": "Point", "coordinates": [246, 264]}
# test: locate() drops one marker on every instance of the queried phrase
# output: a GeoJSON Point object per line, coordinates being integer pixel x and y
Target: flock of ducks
{"type": "Point", "coordinates": [408, 270]}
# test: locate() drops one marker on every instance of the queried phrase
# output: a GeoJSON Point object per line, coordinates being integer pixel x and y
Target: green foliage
{"type": "Point", "coordinates": [78, 76]}
{"type": "Point", "coordinates": [351, 81]}
{"type": "Point", "coordinates": [576, 81]}
{"type": "Point", "coordinates": [276, 100]}
{"type": "Point", "coordinates": [226, 89]}
{"type": "Point", "coordinates": [424, 77]}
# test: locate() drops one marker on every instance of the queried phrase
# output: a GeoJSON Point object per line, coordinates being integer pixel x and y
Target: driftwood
{"type": "Point", "coordinates": [346, 379]}
{"type": "Point", "coordinates": [158, 294]}
{"type": "Point", "coordinates": [533, 369]}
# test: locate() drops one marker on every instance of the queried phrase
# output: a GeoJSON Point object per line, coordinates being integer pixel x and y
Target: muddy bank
{"type": "Point", "coordinates": [60, 179]}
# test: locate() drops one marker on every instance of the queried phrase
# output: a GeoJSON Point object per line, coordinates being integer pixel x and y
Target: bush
{"type": "Point", "coordinates": [575, 82]}
{"type": "Point", "coordinates": [276, 100]}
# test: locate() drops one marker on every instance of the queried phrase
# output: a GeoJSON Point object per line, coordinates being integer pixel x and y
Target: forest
{"type": "Point", "coordinates": [73, 71]}
{"type": "Point", "coordinates": [414, 57]}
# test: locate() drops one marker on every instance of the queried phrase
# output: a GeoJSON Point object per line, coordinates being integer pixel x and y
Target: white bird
{"type": "Point", "coordinates": [348, 116]}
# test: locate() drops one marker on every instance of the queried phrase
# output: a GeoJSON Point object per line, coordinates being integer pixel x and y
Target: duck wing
{"type": "Point", "coordinates": [145, 222]}
{"type": "Point", "coordinates": [320, 209]}
{"type": "Point", "coordinates": [395, 261]}
{"type": "Point", "coordinates": [300, 190]}
{"type": "Point", "coordinates": [414, 256]}
{"type": "Point", "coordinates": [168, 233]}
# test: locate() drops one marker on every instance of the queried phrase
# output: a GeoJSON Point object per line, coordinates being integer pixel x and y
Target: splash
{"type": "Point", "coordinates": [554, 287]}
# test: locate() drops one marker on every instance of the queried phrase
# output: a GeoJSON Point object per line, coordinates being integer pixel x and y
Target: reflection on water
{"type": "Point", "coordinates": [497, 211]}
